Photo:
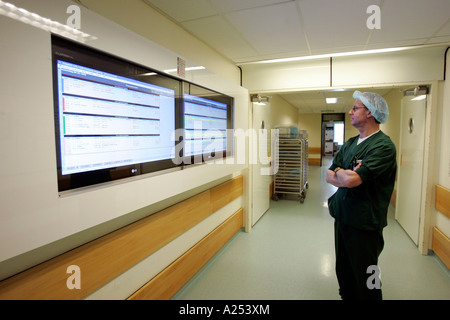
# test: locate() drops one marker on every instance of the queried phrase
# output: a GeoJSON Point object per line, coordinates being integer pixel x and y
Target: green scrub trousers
{"type": "Point", "coordinates": [361, 213]}
{"type": "Point", "coordinates": [356, 250]}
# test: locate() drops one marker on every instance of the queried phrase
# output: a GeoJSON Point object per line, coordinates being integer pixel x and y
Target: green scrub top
{"type": "Point", "coordinates": [365, 206]}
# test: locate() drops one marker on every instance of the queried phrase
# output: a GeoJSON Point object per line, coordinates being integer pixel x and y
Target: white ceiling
{"type": "Point", "coordinates": [253, 30]}
{"type": "Point", "coordinates": [315, 101]}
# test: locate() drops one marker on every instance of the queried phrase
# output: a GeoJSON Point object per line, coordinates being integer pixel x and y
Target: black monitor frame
{"type": "Point", "coordinates": [69, 51]}
{"type": "Point", "coordinates": [73, 52]}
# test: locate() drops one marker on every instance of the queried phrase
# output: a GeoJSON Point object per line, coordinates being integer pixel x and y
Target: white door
{"type": "Point", "coordinates": [409, 182]}
{"type": "Point", "coordinates": [261, 180]}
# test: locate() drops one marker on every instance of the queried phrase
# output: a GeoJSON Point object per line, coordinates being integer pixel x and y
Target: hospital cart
{"type": "Point", "coordinates": [291, 159]}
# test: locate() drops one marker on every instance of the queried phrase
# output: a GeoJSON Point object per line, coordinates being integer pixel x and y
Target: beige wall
{"type": "Point", "coordinates": [282, 113]}
{"type": "Point", "coordinates": [350, 131]}
{"type": "Point", "coordinates": [392, 125]}
{"type": "Point", "coordinates": [311, 122]}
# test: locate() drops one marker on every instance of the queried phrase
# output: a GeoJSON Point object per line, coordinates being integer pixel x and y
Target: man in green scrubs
{"type": "Point", "coordinates": [364, 171]}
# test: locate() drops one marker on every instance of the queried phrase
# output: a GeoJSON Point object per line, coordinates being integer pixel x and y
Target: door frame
{"type": "Point", "coordinates": [248, 217]}
{"type": "Point", "coordinates": [326, 118]}
{"type": "Point", "coordinates": [428, 172]}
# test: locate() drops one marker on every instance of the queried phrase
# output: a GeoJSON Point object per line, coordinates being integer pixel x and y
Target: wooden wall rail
{"type": "Point", "coordinates": [441, 243]}
{"type": "Point", "coordinates": [311, 160]}
{"type": "Point", "coordinates": [105, 258]}
{"type": "Point", "coordinates": [441, 246]}
{"type": "Point", "coordinates": [314, 161]}
{"type": "Point", "coordinates": [314, 150]}
{"type": "Point", "coordinates": [171, 279]}
{"type": "Point", "coordinates": [443, 200]}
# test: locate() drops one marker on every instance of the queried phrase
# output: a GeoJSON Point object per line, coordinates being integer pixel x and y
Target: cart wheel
{"type": "Point", "coordinates": [302, 199]}
{"type": "Point", "coordinates": [307, 185]}
{"type": "Point", "coordinates": [275, 197]}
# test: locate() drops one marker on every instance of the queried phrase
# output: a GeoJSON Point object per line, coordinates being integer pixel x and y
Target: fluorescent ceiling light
{"type": "Point", "coordinates": [338, 90]}
{"type": "Point", "coordinates": [195, 68]}
{"type": "Point", "coordinates": [149, 74]}
{"type": "Point", "coordinates": [422, 97]}
{"type": "Point", "coordinates": [35, 20]}
{"type": "Point", "coordinates": [187, 69]}
{"type": "Point", "coordinates": [331, 100]}
{"type": "Point", "coordinates": [329, 55]}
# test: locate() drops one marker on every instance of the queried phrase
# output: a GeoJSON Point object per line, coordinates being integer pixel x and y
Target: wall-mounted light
{"type": "Point", "coordinates": [256, 98]}
{"type": "Point", "coordinates": [418, 92]}
{"type": "Point", "coordinates": [331, 100]}
{"type": "Point", "coordinates": [418, 98]}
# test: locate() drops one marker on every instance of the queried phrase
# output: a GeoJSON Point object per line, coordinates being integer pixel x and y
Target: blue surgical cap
{"type": "Point", "coordinates": [375, 103]}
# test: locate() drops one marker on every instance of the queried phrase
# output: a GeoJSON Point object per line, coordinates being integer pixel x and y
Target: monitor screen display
{"type": "Point", "coordinates": [207, 124]}
{"type": "Point", "coordinates": [113, 118]}
{"type": "Point", "coordinates": [106, 120]}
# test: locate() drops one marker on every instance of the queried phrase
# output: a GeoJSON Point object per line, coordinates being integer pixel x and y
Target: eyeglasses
{"type": "Point", "coordinates": [354, 109]}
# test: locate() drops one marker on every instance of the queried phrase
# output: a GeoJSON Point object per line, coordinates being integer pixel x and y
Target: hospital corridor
{"type": "Point", "coordinates": [186, 150]}
{"type": "Point", "coordinates": [289, 255]}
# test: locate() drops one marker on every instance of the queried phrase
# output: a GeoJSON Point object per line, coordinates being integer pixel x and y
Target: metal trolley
{"type": "Point", "coordinates": [292, 164]}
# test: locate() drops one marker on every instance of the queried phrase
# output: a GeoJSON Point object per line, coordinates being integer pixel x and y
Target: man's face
{"type": "Point", "coordinates": [358, 114]}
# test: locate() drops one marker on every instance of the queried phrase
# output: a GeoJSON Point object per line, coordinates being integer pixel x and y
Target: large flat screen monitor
{"type": "Point", "coordinates": [113, 118]}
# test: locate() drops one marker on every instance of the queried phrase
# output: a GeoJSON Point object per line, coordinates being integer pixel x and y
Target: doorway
{"type": "Point", "coordinates": [333, 133]}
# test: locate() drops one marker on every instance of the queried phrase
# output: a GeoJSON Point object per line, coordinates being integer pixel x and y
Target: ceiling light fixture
{"type": "Point", "coordinates": [330, 55]}
{"type": "Point", "coordinates": [331, 100]}
{"type": "Point", "coordinates": [187, 69]}
{"type": "Point", "coordinates": [418, 98]}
